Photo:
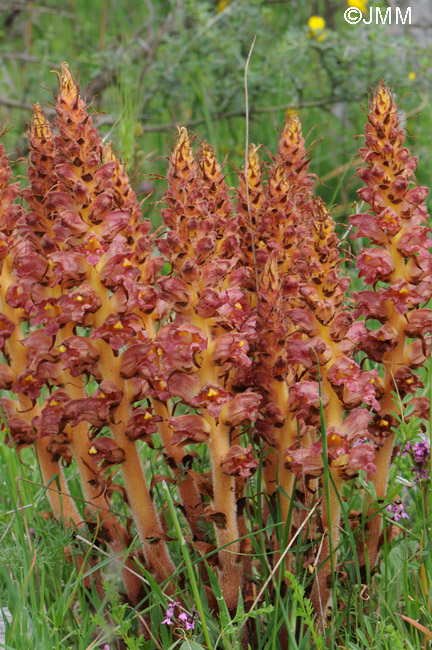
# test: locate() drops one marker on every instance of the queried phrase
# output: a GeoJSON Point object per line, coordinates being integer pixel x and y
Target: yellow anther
{"type": "Point", "coordinates": [403, 290]}
{"type": "Point", "coordinates": [288, 459]}
{"type": "Point", "coordinates": [383, 423]}
{"type": "Point", "coordinates": [127, 263]}
{"type": "Point", "coordinates": [242, 343]}
{"type": "Point", "coordinates": [92, 450]}
{"type": "Point", "coordinates": [310, 568]}
{"type": "Point", "coordinates": [52, 402]}
{"type": "Point", "coordinates": [238, 305]}
{"type": "Point", "coordinates": [147, 416]}
{"type": "Point", "coordinates": [372, 381]}
{"type": "Point", "coordinates": [212, 392]}
{"type": "Point", "coordinates": [29, 379]}
{"type": "Point", "coordinates": [118, 326]}
{"type": "Point", "coordinates": [48, 306]}
{"type": "Point", "coordinates": [410, 380]}
{"type": "Point", "coordinates": [62, 348]}
{"type": "Point", "coordinates": [101, 396]}
{"type": "Point", "coordinates": [79, 298]}
{"type": "Point", "coordinates": [159, 352]}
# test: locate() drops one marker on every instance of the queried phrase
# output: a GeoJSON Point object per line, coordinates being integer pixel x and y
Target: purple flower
{"type": "Point", "coordinates": [397, 510]}
{"type": "Point", "coordinates": [360, 441]}
{"type": "Point", "coordinates": [187, 621]}
{"type": "Point", "coordinates": [170, 613]}
{"type": "Point", "coordinates": [32, 533]}
{"type": "Point", "coordinates": [420, 452]}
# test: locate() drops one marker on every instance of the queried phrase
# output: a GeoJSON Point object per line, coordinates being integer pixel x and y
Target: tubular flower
{"type": "Point", "coordinates": [292, 153]}
{"type": "Point", "coordinates": [398, 265]}
{"type": "Point", "coordinates": [240, 461]}
{"type": "Point", "coordinates": [74, 269]}
{"type": "Point", "coordinates": [288, 193]}
{"type": "Point", "coordinates": [217, 202]}
{"type": "Point", "coordinates": [198, 212]}
{"type": "Point", "coordinates": [301, 322]}
{"type": "Point", "coordinates": [215, 328]}
{"type": "Point", "coordinates": [251, 207]}
{"type": "Point", "coordinates": [280, 225]}
{"type": "Point", "coordinates": [35, 223]}
{"type": "Point", "coordinates": [344, 385]}
{"type": "Point", "coordinates": [137, 228]}
{"type": "Point", "coordinates": [26, 374]}
{"type": "Point", "coordinates": [182, 214]}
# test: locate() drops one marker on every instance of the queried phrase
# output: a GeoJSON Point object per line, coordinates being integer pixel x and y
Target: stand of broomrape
{"type": "Point", "coordinates": [251, 346]}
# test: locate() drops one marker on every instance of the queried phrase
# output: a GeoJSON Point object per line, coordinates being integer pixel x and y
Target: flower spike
{"type": "Point", "coordinates": [398, 265]}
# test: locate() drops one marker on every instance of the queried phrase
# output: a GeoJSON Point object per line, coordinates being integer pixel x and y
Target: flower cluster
{"type": "Point", "coordinates": [397, 511]}
{"type": "Point", "coordinates": [420, 453]}
{"type": "Point", "coordinates": [301, 337]}
{"type": "Point", "coordinates": [240, 347]}
{"type": "Point", "coordinates": [397, 264]}
{"type": "Point", "coordinates": [204, 352]}
{"type": "Point", "coordinates": [73, 270]}
{"type": "Point", "coordinates": [183, 620]}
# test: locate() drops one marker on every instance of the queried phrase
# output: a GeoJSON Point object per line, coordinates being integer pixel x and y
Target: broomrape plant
{"type": "Point", "coordinates": [250, 350]}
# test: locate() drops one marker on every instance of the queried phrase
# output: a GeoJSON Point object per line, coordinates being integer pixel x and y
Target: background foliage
{"type": "Point", "coordinates": [155, 63]}
{"type": "Point", "coordinates": [151, 64]}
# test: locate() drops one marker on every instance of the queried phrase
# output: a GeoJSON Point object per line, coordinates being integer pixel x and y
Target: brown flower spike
{"type": "Point", "coordinates": [223, 346]}
{"type": "Point", "coordinates": [397, 264]}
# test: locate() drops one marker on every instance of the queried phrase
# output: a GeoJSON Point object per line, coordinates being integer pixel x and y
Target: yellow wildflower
{"type": "Point", "coordinates": [359, 4]}
{"type": "Point", "coordinates": [316, 26]}
{"type": "Point", "coordinates": [412, 75]}
{"type": "Point", "coordinates": [223, 4]}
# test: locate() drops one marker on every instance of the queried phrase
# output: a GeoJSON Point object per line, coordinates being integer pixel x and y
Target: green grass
{"type": "Point", "coordinates": [51, 606]}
